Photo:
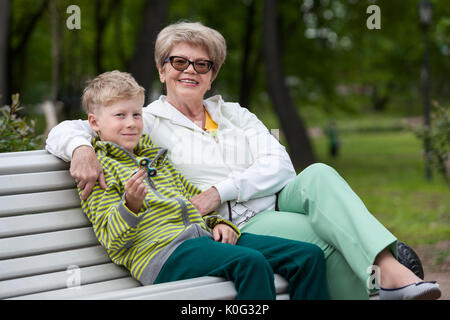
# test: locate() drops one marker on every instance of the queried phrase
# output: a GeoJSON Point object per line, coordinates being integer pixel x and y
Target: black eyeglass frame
{"type": "Point", "coordinates": [171, 58]}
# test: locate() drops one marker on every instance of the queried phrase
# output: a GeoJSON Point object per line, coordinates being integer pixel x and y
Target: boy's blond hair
{"type": "Point", "coordinates": [108, 88]}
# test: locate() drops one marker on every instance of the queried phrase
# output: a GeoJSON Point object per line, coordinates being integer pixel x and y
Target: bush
{"type": "Point", "coordinates": [15, 133]}
{"type": "Point", "coordinates": [439, 137]}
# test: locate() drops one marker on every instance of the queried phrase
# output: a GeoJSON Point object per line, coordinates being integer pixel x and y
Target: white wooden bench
{"type": "Point", "coordinates": [46, 242]}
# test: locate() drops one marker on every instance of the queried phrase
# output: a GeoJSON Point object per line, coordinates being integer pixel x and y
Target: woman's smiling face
{"type": "Point", "coordinates": [187, 85]}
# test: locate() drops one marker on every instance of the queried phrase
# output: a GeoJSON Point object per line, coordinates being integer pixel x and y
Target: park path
{"type": "Point", "coordinates": [436, 264]}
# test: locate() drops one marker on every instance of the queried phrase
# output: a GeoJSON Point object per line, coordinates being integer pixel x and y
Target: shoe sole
{"type": "Point", "coordinates": [432, 294]}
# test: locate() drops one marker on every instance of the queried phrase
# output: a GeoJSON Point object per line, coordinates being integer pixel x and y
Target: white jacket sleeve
{"type": "Point", "coordinates": [271, 170]}
{"type": "Point", "coordinates": [67, 136]}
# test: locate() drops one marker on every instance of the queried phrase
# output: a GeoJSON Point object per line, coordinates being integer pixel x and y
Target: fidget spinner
{"type": "Point", "coordinates": [144, 163]}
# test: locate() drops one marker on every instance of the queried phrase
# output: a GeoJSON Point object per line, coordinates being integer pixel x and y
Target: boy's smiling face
{"type": "Point", "coordinates": [120, 122]}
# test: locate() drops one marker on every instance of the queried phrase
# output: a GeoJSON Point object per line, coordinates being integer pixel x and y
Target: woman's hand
{"type": "Point", "coordinates": [225, 234]}
{"type": "Point", "coordinates": [86, 170]}
{"type": "Point", "coordinates": [206, 201]}
{"type": "Point", "coordinates": [135, 191]}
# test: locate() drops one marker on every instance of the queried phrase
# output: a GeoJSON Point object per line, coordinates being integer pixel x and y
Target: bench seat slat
{"type": "Point", "coordinates": [52, 262]}
{"type": "Point", "coordinates": [221, 290]}
{"type": "Point", "coordinates": [42, 222]}
{"type": "Point", "coordinates": [38, 202]}
{"type": "Point", "coordinates": [81, 292]}
{"type": "Point", "coordinates": [46, 242]}
{"type": "Point", "coordinates": [35, 182]}
{"type": "Point", "coordinates": [155, 289]}
{"type": "Point", "coordinates": [60, 280]}
{"type": "Point", "coordinates": [176, 290]}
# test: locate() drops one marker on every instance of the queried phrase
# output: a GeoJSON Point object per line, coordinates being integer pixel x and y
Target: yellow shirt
{"type": "Point", "coordinates": [210, 125]}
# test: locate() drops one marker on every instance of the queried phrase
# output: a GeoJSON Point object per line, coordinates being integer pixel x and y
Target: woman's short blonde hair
{"type": "Point", "coordinates": [193, 33]}
{"type": "Point", "coordinates": [109, 87]}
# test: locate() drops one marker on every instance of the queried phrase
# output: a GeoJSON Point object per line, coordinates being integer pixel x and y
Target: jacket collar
{"type": "Point", "coordinates": [163, 109]}
{"type": "Point", "coordinates": [145, 148]}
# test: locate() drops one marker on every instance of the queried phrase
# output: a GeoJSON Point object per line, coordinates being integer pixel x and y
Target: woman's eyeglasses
{"type": "Point", "coordinates": [181, 64]}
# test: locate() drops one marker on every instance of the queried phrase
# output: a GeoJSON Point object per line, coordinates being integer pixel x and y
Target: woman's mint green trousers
{"type": "Point", "coordinates": [319, 207]}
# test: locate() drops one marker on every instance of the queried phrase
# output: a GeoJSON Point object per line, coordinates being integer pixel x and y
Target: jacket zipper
{"type": "Point", "coordinates": [182, 203]}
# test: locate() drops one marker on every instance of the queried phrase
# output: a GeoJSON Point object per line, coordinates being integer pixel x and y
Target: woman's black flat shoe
{"type": "Point", "coordinates": [409, 258]}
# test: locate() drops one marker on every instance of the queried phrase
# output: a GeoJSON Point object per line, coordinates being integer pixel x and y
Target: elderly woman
{"type": "Point", "coordinates": [247, 176]}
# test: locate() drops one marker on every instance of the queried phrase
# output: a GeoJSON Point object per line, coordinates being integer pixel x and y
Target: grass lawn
{"type": "Point", "coordinates": [386, 170]}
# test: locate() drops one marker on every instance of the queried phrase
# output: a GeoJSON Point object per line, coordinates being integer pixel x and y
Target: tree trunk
{"type": "Point", "coordinates": [142, 65]}
{"type": "Point", "coordinates": [101, 20]}
{"type": "Point", "coordinates": [16, 54]}
{"type": "Point", "coordinates": [246, 83]}
{"type": "Point", "coordinates": [4, 31]}
{"type": "Point", "coordinates": [379, 102]}
{"type": "Point", "coordinates": [57, 30]}
{"type": "Point", "coordinates": [299, 144]}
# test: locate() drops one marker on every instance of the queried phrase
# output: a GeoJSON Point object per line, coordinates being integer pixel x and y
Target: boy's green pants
{"type": "Point", "coordinates": [251, 265]}
{"type": "Point", "coordinates": [319, 207]}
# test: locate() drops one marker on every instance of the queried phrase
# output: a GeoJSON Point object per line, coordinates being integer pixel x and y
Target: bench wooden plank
{"type": "Point", "coordinates": [201, 288]}
{"type": "Point", "coordinates": [215, 291]}
{"type": "Point", "coordinates": [35, 182]}
{"type": "Point", "coordinates": [52, 262]}
{"type": "Point", "coordinates": [82, 291]}
{"type": "Point", "coordinates": [42, 222]}
{"type": "Point", "coordinates": [25, 154]}
{"type": "Point", "coordinates": [46, 242]}
{"type": "Point", "coordinates": [60, 280]}
{"type": "Point", "coordinates": [33, 163]}
{"type": "Point", "coordinates": [38, 202]}
{"type": "Point", "coordinates": [155, 289]}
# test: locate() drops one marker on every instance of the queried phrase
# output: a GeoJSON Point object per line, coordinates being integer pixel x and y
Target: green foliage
{"type": "Point", "coordinates": [439, 137]}
{"type": "Point", "coordinates": [15, 133]}
{"type": "Point", "coordinates": [332, 61]}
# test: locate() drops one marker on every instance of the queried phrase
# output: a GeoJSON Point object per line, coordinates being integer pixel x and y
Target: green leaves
{"type": "Point", "coordinates": [439, 137]}
{"type": "Point", "coordinates": [15, 133]}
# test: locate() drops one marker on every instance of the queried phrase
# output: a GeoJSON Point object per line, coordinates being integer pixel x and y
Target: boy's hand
{"type": "Point", "coordinates": [136, 191]}
{"type": "Point", "coordinates": [225, 234]}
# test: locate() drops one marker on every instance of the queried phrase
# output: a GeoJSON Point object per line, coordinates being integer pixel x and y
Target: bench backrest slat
{"type": "Point", "coordinates": [84, 290]}
{"type": "Point", "coordinates": [61, 280]}
{"type": "Point", "coordinates": [39, 202]}
{"type": "Point", "coordinates": [46, 242]}
{"type": "Point", "coordinates": [52, 262]}
{"type": "Point", "coordinates": [35, 182]}
{"type": "Point", "coordinates": [31, 163]}
{"type": "Point", "coordinates": [43, 222]}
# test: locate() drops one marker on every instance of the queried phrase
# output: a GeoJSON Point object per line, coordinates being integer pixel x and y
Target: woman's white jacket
{"type": "Point", "coordinates": [242, 160]}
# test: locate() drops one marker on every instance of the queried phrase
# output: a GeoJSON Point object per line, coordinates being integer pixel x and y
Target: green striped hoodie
{"type": "Point", "coordinates": [142, 242]}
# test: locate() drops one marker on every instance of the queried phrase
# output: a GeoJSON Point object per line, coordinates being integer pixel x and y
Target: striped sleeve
{"type": "Point", "coordinates": [212, 219]}
{"type": "Point", "coordinates": [114, 224]}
